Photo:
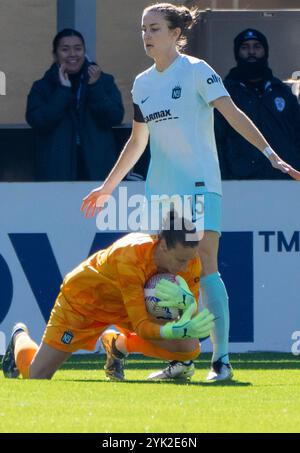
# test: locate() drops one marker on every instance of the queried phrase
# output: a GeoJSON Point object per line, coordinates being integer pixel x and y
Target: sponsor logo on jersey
{"type": "Point", "coordinates": [176, 92]}
{"type": "Point", "coordinates": [280, 104]}
{"type": "Point", "coordinates": [213, 79]}
{"type": "Point", "coordinates": [159, 116]}
{"type": "Point", "coordinates": [67, 337]}
{"type": "Point", "coordinates": [144, 100]}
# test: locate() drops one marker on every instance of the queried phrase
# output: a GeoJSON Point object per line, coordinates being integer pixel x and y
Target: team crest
{"type": "Point", "coordinates": [176, 92]}
{"type": "Point", "coordinates": [67, 337]}
{"type": "Point", "coordinates": [280, 104]}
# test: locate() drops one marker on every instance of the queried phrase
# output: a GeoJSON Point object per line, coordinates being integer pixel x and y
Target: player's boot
{"type": "Point", "coordinates": [175, 370]}
{"type": "Point", "coordinates": [220, 371]}
{"type": "Point", "coordinates": [9, 366]}
{"type": "Point", "coordinates": [114, 369]}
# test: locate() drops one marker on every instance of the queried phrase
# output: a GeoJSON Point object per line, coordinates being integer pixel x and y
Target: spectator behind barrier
{"type": "Point", "coordinates": [72, 110]}
{"type": "Point", "coordinates": [268, 102]}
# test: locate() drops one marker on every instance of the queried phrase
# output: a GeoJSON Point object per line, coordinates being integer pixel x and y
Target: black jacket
{"type": "Point", "coordinates": [276, 113]}
{"type": "Point", "coordinates": [59, 118]}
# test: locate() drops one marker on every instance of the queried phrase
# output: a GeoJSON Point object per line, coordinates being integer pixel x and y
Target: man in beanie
{"type": "Point", "coordinates": [271, 106]}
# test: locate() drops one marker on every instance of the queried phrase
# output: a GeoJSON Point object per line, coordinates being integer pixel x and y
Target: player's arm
{"type": "Point", "coordinates": [244, 126]}
{"type": "Point", "coordinates": [131, 280]}
{"type": "Point", "coordinates": [188, 326]}
{"type": "Point", "coordinates": [131, 153]}
{"type": "Point", "coordinates": [184, 292]}
{"type": "Point", "coordinates": [175, 294]}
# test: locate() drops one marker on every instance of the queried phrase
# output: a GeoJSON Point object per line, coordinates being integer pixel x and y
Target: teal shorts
{"type": "Point", "coordinates": [204, 210]}
{"type": "Point", "coordinates": [212, 212]}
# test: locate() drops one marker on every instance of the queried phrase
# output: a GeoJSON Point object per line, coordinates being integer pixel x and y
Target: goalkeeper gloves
{"type": "Point", "coordinates": [175, 295]}
{"type": "Point", "coordinates": [199, 326]}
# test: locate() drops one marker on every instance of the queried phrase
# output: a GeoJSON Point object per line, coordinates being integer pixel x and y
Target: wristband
{"type": "Point", "coordinates": [268, 152]}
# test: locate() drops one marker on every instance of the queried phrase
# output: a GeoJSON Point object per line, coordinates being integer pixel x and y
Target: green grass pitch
{"type": "Point", "coordinates": [263, 397]}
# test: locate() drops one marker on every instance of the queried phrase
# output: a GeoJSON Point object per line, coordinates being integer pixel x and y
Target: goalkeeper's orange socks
{"type": "Point", "coordinates": [214, 297]}
{"type": "Point", "coordinates": [25, 350]}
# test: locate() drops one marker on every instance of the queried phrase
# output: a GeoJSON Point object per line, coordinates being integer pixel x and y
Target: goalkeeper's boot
{"type": "Point", "coordinates": [220, 371]}
{"type": "Point", "coordinates": [114, 369]}
{"type": "Point", "coordinates": [175, 370]}
{"type": "Point", "coordinates": [9, 366]}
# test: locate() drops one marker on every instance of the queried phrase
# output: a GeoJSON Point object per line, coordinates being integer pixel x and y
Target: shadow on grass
{"type": "Point", "coordinates": [231, 383]}
{"type": "Point", "coordinates": [247, 361]}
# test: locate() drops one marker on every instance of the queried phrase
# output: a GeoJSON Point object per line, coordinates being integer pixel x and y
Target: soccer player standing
{"type": "Point", "coordinates": [173, 104]}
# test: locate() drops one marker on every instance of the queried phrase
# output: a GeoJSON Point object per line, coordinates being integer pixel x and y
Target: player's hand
{"type": "Point", "coordinates": [295, 174]}
{"type": "Point", "coordinates": [177, 295]}
{"type": "Point", "coordinates": [199, 326]}
{"type": "Point", "coordinates": [94, 73]}
{"type": "Point", "coordinates": [63, 76]}
{"type": "Point", "coordinates": [95, 201]}
{"type": "Point", "coordinates": [281, 165]}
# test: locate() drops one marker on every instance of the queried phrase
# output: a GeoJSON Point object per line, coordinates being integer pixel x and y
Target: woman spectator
{"type": "Point", "coordinates": [72, 110]}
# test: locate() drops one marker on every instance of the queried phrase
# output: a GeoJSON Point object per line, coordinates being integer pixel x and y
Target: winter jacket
{"type": "Point", "coordinates": [276, 113]}
{"type": "Point", "coordinates": [62, 118]}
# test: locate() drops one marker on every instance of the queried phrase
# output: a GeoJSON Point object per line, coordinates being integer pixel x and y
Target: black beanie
{"type": "Point", "coordinates": [248, 34]}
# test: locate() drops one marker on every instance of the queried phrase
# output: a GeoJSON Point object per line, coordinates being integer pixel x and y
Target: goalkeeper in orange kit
{"type": "Point", "coordinates": [108, 289]}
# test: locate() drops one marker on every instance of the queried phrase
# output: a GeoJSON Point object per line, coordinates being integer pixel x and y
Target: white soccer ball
{"type": "Point", "coordinates": [159, 313]}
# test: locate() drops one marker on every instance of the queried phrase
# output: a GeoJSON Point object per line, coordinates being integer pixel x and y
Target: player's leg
{"type": "Point", "coordinates": [23, 356]}
{"type": "Point", "coordinates": [181, 353]}
{"type": "Point", "coordinates": [114, 365]}
{"type": "Point", "coordinates": [67, 331]}
{"type": "Point", "coordinates": [213, 291]}
{"type": "Point", "coordinates": [46, 362]}
{"type": "Point", "coordinates": [9, 366]}
{"type": "Point", "coordinates": [215, 298]}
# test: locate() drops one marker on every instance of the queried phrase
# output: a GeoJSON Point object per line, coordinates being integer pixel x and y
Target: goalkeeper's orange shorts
{"type": "Point", "coordinates": [68, 330]}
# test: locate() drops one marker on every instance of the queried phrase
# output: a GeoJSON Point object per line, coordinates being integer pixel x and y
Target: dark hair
{"type": "Point", "coordinates": [179, 230]}
{"type": "Point", "coordinates": [64, 34]}
{"type": "Point", "coordinates": [176, 16]}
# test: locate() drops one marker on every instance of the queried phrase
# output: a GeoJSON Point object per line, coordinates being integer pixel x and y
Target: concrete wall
{"type": "Point", "coordinates": [27, 28]}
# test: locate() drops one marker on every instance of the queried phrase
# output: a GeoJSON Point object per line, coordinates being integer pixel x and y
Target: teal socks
{"type": "Point", "coordinates": [215, 298]}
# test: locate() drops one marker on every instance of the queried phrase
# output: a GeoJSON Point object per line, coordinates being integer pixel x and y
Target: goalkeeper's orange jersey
{"type": "Point", "coordinates": [109, 285]}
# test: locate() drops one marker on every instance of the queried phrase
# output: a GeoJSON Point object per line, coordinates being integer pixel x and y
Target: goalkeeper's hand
{"type": "Point", "coordinates": [199, 326]}
{"type": "Point", "coordinates": [175, 295]}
